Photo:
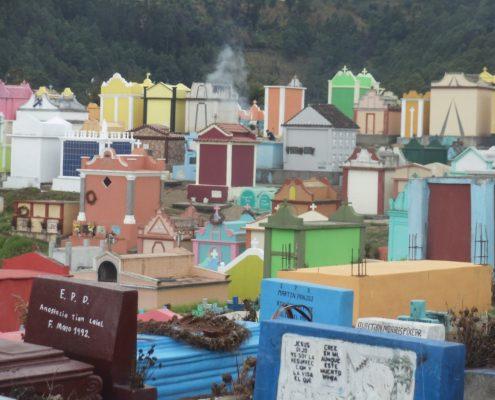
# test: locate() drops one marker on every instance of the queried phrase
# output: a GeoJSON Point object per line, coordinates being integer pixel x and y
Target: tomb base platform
{"type": "Point", "coordinates": [388, 287]}
{"type": "Point", "coordinates": [46, 371]}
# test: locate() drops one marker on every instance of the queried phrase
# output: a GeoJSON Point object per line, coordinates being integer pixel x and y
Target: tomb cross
{"type": "Point", "coordinates": [313, 206]}
{"type": "Point", "coordinates": [345, 68]}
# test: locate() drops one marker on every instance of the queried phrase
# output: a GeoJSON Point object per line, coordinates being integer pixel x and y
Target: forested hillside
{"type": "Point", "coordinates": [404, 43]}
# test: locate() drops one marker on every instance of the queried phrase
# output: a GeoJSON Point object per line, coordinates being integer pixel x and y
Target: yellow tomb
{"type": "Point", "coordinates": [415, 114]}
{"type": "Point", "coordinates": [389, 287]}
{"type": "Point", "coordinates": [121, 102]}
{"type": "Point", "coordinates": [159, 103]}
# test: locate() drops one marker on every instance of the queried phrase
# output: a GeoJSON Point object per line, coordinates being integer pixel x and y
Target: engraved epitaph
{"type": "Point", "coordinates": [91, 322]}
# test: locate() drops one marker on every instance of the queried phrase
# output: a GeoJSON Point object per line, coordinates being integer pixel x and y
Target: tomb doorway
{"type": "Point", "coordinates": [449, 223]}
{"type": "Point", "coordinates": [107, 272]}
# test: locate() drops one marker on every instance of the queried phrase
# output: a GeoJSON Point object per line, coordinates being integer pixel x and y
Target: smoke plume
{"type": "Point", "coordinates": [230, 69]}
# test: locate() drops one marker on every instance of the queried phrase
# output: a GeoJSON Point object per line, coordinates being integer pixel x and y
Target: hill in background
{"type": "Point", "coordinates": [405, 44]}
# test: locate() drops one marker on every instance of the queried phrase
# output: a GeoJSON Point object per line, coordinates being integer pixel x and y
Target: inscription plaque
{"type": "Point", "coordinates": [91, 322]}
{"type": "Point", "coordinates": [315, 368]}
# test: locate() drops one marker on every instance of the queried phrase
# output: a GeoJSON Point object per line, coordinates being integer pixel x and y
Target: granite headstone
{"type": "Point", "coordinates": [329, 305]}
{"type": "Point", "coordinates": [91, 322]}
{"type": "Point", "coordinates": [305, 361]}
{"type": "Point", "coordinates": [404, 328]}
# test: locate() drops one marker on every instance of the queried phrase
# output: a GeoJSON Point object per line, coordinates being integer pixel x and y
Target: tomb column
{"type": "Point", "coordinates": [81, 217]}
{"type": "Point", "coordinates": [130, 121]}
{"type": "Point", "coordinates": [421, 106]}
{"type": "Point", "coordinates": [102, 105]}
{"type": "Point", "coordinates": [129, 205]}
{"type": "Point", "coordinates": [403, 118]}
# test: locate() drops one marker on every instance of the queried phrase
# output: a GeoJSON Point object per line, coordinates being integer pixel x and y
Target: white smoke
{"type": "Point", "coordinates": [230, 69]}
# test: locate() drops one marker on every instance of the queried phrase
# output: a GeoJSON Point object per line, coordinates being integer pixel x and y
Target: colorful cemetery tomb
{"type": "Point", "coordinates": [253, 118]}
{"type": "Point", "coordinates": [403, 173]}
{"type": "Point", "coordinates": [345, 89]}
{"type": "Point", "coordinates": [403, 328]}
{"type": "Point", "coordinates": [159, 142]}
{"type": "Point", "coordinates": [461, 105]}
{"type": "Point", "coordinates": [77, 144]}
{"type": "Point", "coordinates": [187, 171]}
{"type": "Point", "coordinates": [443, 284]}
{"type": "Point", "coordinates": [324, 304]}
{"type": "Point", "coordinates": [220, 241]}
{"type": "Point", "coordinates": [93, 123]}
{"type": "Point", "coordinates": [474, 161]}
{"type": "Point", "coordinates": [318, 138]}
{"type": "Point", "coordinates": [291, 243]}
{"type": "Point", "coordinates": [44, 219]}
{"type": "Point", "coordinates": [415, 152]}
{"type": "Point", "coordinates": [281, 104]}
{"type": "Point", "coordinates": [16, 279]}
{"type": "Point", "coordinates": [255, 231]}
{"type": "Point", "coordinates": [319, 361]}
{"type": "Point", "coordinates": [226, 157]}
{"type": "Point", "coordinates": [245, 273]}
{"type": "Point", "coordinates": [47, 103]}
{"type": "Point", "coordinates": [378, 113]}
{"type": "Point", "coordinates": [415, 114]}
{"type": "Point", "coordinates": [41, 123]}
{"type": "Point", "coordinates": [309, 194]}
{"type": "Point", "coordinates": [118, 193]}
{"type": "Point", "coordinates": [12, 97]}
{"type": "Point", "coordinates": [165, 105]}
{"type": "Point", "coordinates": [161, 279]}
{"type": "Point", "coordinates": [367, 182]}
{"type": "Point", "coordinates": [210, 103]}
{"type": "Point", "coordinates": [258, 199]}
{"type": "Point", "coordinates": [189, 372]}
{"type": "Point", "coordinates": [121, 102]}
{"type": "Point", "coordinates": [449, 218]}
{"type": "Point", "coordinates": [72, 316]}
{"type": "Point", "coordinates": [161, 234]}
{"type": "Point", "coordinates": [487, 77]}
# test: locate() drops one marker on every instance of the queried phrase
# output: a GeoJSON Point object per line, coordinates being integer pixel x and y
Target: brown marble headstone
{"type": "Point", "coordinates": [90, 321]}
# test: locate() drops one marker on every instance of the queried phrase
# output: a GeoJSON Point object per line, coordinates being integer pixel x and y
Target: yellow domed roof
{"type": "Point", "coordinates": [41, 91]}
{"type": "Point", "coordinates": [67, 92]}
{"type": "Point", "coordinates": [486, 76]}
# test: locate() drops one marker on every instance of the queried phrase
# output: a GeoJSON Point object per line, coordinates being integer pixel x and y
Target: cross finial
{"type": "Point", "coordinates": [365, 71]}
{"type": "Point", "coordinates": [313, 206]}
{"type": "Point", "coordinates": [148, 74]}
{"type": "Point", "coordinates": [345, 68]}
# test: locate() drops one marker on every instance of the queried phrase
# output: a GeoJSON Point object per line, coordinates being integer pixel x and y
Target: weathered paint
{"type": "Point", "coordinates": [242, 159]}
{"type": "Point", "coordinates": [212, 164]}
{"type": "Point", "coordinates": [366, 364]}
{"type": "Point", "coordinates": [449, 222]}
{"type": "Point", "coordinates": [382, 293]}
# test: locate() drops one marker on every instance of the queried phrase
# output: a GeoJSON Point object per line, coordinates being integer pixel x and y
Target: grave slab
{"type": "Point", "coordinates": [46, 370]}
{"type": "Point", "coordinates": [403, 328]}
{"type": "Point", "coordinates": [91, 322]}
{"type": "Point", "coordinates": [329, 305]}
{"type": "Point", "coordinates": [305, 361]}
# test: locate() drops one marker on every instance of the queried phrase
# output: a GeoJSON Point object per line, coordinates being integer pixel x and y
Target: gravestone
{"type": "Point", "coordinates": [305, 361]}
{"type": "Point", "coordinates": [404, 328]}
{"type": "Point", "coordinates": [45, 370]}
{"type": "Point", "coordinates": [91, 322]}
{"type": "Point", "coordinates": [329, 305]}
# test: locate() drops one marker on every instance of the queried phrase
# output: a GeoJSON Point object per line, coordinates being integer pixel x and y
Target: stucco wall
{"type": "Point", "coordinates": [454, 288]}
{"type": "Point", "coordinates": [158, 266]}
{"type": "Point", "coordinates": [362, 191]}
